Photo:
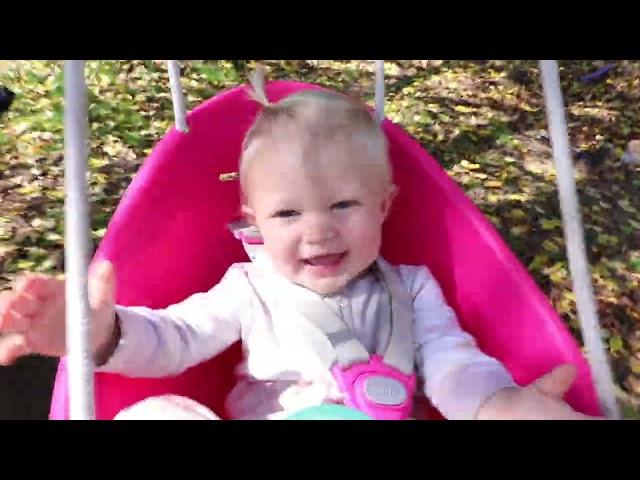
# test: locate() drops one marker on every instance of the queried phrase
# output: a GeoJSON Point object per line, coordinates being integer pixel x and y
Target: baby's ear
{"type": "Point", "coordinates": [248, 214]}
{"type": "Point", "coordinates": [387, 200]}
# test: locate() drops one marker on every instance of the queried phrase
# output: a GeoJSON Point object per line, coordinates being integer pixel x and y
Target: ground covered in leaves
{"type": "Point", "coordinates": [483, 120]}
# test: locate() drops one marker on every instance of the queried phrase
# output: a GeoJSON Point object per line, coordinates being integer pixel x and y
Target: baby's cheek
{"type": "Point", "coordinates": [284, 254]}
{"type": "Point", "coordinates": [366, 235]}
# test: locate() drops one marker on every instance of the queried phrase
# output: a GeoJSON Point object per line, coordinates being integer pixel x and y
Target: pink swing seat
{"type": "Point", "coordinates": [168, 239]}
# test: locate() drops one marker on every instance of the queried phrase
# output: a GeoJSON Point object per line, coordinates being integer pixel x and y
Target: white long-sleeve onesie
{"type": "Point", "coordinates": [279, 373]}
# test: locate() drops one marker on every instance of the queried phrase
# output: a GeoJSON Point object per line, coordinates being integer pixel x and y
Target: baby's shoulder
{"type": "Point", "coordinates": [249, 277]}
{"type": "Point", "coordinates": [239, 269]}
{"type": "Point", "coordinates": [235, 278]}
{"type": "Point", "coordinates": [414, 277]}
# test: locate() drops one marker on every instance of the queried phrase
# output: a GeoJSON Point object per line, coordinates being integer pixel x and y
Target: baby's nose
{"type": "Point", "coordinates": [320, 230]}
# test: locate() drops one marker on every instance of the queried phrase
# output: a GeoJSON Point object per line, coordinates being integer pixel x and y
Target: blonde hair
{"type": "Point", "coordinates": [318, 117]}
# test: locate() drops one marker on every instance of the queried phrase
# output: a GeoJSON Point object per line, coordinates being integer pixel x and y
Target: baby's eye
{"type": "Point", "coordinates": [285, 214]}
{"type": "Point", "coordinates": [344, 204]}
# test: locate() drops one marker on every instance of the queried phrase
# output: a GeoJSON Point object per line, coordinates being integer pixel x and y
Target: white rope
{"type": "Point", "coordinates": [76, 243]}
{"type": "Point", "coordinates": [379, 90]}
{"type": "Point", "coordinates": [177, 96]}
{"type": "Point", "coordinates": [574, 237]}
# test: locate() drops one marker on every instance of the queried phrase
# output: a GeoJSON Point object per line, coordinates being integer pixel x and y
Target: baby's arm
{"type": "Point", "coordinates": [458, 376]}
{"type": "Point", "coordinates": [463, 382]}
{"type": "Point", "coordinates": [164, 342]}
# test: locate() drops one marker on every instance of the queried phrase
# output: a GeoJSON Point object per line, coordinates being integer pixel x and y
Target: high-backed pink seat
{"type": "Point", "coordinates": [168, 239]}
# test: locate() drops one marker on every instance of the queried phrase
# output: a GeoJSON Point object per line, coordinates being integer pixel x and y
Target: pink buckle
{"type": "Point", "coordinates": [377, 389]}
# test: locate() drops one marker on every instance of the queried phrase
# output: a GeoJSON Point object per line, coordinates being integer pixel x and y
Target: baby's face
{"type": "Point", "coordinates": [321, 220]}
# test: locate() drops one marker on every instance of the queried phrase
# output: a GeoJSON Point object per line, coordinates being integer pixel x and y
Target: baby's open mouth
{"type": "Point", "coordinates": [325, 260]}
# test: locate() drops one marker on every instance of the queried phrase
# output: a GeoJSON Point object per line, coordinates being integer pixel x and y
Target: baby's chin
{"type": "Point", "coordinates": [324, 286]}
{"type": "Point", "coordinates": [327, 288]}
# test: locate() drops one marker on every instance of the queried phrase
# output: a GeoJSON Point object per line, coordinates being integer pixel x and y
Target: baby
{"type": "Point", "coordinates": [322, 318]}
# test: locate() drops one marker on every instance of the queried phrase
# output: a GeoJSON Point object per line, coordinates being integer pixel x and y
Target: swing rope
{"type": "Point", "coordinates": [379, 90]}
{"type": "Point", "coordinates": [76, 243]}
{"type": "Point", "coordinates": [177, 96]}
{"type": "Point", "coordinates": [574, 237]}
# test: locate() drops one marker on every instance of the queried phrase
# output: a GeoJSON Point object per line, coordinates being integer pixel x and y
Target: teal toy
{"type": "Point", "coordinates": [329, 412]}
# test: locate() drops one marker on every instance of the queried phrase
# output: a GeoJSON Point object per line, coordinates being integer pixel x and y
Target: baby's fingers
{"type": "Point", "coordinates": [15, 311]}
{"type": "Point", "coordinates": [12, 346]}
{"type": "Point", "coordinates": [38, 285]}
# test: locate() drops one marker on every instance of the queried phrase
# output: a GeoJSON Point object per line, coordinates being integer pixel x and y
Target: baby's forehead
{"type": "Point", "coordinates": [308, 156]}
{"type": "Point", "coordinates": [311, 147]}
{"type": "Point", "coordinates": [293, 158]}
{"type": "Point", "coordinates": [295, 173]}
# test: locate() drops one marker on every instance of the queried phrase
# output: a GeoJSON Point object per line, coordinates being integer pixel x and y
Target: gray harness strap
{"type": "Point", "coordinates": [399, 352]}
{"type": "Point", "coordinates": [316, 314]}
{"type": "Point", "coordinates": [333, 341]}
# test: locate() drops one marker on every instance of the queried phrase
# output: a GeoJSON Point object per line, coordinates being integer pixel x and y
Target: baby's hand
{"type": "Point", "coordinates": [32, 314]}
{"type": "Point", "coordinates": [540, 400]}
